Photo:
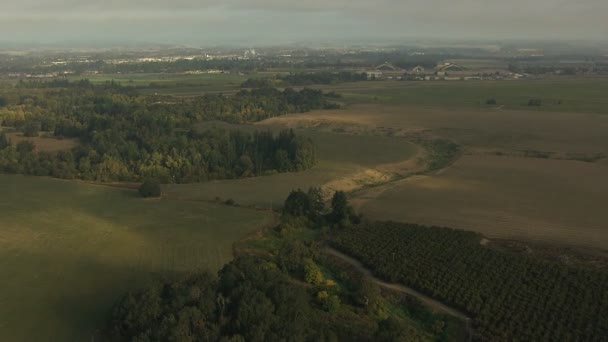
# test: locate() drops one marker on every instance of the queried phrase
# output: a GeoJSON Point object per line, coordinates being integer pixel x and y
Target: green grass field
{"type": "Point", "coordinates": [559, 95]}
{"type": "Point", "coordinates": [69, 250]}
{"type": "Point", "coordinates": [541, 200]}
{"type": "Point", "coordinates": [172, 84]}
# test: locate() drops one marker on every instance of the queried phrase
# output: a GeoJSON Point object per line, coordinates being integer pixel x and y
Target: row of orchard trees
{"type": "Point", "coordinates": [128, 137]}
{"type": "Point", "coordinates": [510, 297]}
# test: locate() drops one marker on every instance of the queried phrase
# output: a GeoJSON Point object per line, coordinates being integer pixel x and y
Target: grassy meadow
{"type": "Point", "coordinates": [543, 200]}
{"type": "Point", "coordinates": [69, 250]}
{"type": "Point", "coordinates": [557, 95]}
{"type": "Point", "coordinates": [172, 84]}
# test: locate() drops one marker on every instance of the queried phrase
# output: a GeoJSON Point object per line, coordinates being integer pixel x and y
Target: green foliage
{"type": "Point", "coordinates": [3, 101]}
{"type": "Point", "coordinates": [304, 79]}
{"type": "Point", "coordinates": [129, 137]}
{"type": "Point", "coordinates": [316, 205]}
{"type": "Point", "coordinates": [251, 301]}
{"type": "Point", "coordinates": [342, 214]}
{"type": "Point", "coordinates": [312, 273]}
{"type": "Point", "coordinates": [329, 302]}
{"type": "Point", "coordinates": [442, 153]}
{"type": "Point", "coordinates": [293, 255]}
{"type": "Point", "coordinates": [509, 296]}
{"type": "Point", "coordinates": [535, 102]}
{"type": "Point", "coordinates": [257, 83]}
{"type": "Point", "coordinates": [150, 188]}
{"type": "Point", "coordinates": [312, 206]}
{"type": "Point", "coordinates": [367, 294]}
{"type": "Point", "coordinates": [491, 102]}
{"type": "Point", "coordinates": [179, 158]}
{"type": "Point", "coordinates": [31, 129]}
{"type": "Point", "coordinates": [4, 141]}
{"type": "Point", "coordinates": [393, 330]}
{"type": "Point", "coordinates": [25, 147]}
{"type": "Point", "coordinates": [297, 204]}
{"type": "Point", "coordinates": [306, 204]}
{"type": "Point", "coordinates": [177, 310]}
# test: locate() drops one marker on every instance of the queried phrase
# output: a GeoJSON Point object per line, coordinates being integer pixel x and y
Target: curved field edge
{"type": "Point", "coordinates": [68, 250]}
{"type": "Point", "coordinates": [345, 162]}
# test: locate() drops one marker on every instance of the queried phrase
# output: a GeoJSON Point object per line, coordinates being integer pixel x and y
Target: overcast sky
{"type": "Point", "coordinates": [267, 21]}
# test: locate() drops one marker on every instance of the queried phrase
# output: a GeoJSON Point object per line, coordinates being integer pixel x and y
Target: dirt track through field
{"type": "Point", "coordinates": [426, 300]}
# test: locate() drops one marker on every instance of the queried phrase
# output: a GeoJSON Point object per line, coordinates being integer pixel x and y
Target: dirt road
{"type": "Point", "coordinates": [428, 301]}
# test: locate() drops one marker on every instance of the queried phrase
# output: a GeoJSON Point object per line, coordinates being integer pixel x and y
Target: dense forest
{"type": "Point", "coordinates": [125, 136]}
{"type": "Point", "coordinates": [510, 297]}
{"type": "Point", "coordinates": [255, 299]}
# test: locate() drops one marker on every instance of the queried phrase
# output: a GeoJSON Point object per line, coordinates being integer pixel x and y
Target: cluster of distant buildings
{"type": "Point", "coordinates": [446, 71]}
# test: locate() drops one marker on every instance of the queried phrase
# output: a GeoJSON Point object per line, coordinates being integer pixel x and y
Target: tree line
{"type": "Point", "coordinates": [125, 136]}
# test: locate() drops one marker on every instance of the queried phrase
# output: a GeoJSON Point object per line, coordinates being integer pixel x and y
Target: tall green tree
{"type": "Point", "coordinates": [297, 203]}
{"type": "Point", "coordinates": [340, 209]}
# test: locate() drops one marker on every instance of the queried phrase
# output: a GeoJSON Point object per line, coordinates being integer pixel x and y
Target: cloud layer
{"type": "Point", "coordinates": [268, 20]}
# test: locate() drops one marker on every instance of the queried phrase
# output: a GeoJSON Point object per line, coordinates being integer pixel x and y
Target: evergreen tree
{"type": "Point", "coordinates": [297, 204]}
{"type": "Point", "coordinates": [340, 209]}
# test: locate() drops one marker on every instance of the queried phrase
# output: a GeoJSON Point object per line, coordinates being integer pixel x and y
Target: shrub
{"type": "Point", "coordinates": [150, 188]}
{"type": "Point", "coordinates": [535, 102]}
{"type": "Point", "coordinates": [491, 102]}
{"type": "Point", "coordinates": [312, 273]}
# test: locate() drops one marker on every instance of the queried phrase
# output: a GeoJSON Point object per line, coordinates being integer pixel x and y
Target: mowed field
{"type": "Point", "coordinates": [488, 190]}
{"type": "Point", "coordinates": [557, 95]}
{"type": "Point", "coordinates": [69, 250]}
{"type": "Point", "coordinates": [556, 201]}
{"type": "Point", "coordinates": [475, 129]}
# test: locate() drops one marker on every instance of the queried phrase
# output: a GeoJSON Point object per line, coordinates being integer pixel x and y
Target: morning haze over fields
{"type": "Point", "coordinates": [244, 21]}
{"type": "Point", "coordinates": [305, 171]}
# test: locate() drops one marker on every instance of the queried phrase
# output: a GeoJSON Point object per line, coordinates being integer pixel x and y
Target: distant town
{"type": "Point", "coordinates": [407, 63]}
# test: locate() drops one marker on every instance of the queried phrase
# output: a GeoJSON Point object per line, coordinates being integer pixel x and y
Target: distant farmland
{"type": "Point", "coordinates": [554, 201]}
{"type": "Point", "coordinates": [551, 195]}
{"type": "Point", "coordinates": [560, 95]}
{"type": "Point", "coordinates": [68, 250]}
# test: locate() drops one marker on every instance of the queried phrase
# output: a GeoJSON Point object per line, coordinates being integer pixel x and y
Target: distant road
{"type": "Point", "coordinates": [428, 301]}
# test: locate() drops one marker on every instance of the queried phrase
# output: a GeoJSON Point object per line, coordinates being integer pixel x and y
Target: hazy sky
{"type": "Point", "coordinates": [267, 21]}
